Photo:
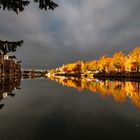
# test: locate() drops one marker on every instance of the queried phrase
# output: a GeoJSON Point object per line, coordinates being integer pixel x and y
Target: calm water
{"type": "Point", "coordinates": [45, 110]}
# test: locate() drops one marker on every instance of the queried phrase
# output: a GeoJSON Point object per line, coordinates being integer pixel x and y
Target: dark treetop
{"type": "Point", "coordinates": [6, 46]}
{"type": "Point", "coordinates": [19, 5]}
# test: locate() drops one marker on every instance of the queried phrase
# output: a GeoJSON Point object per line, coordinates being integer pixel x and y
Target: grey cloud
{"type": "Point", "coordinates": [75, 30]}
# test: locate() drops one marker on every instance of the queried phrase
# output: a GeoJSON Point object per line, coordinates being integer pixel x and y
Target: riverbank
{"type": "Point", "coordinates": [130, 75]}
{"type": "Point", "coordinates": [68, 74]}
{"type": "Point", "coordinates": [118, 75]}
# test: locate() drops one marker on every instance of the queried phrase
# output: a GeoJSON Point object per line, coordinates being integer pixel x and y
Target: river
{"type": "Point", "coordinates": [43, 109]}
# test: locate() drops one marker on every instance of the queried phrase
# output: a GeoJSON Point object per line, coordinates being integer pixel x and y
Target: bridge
{"type": "Point", "coordinates": [33, 73]}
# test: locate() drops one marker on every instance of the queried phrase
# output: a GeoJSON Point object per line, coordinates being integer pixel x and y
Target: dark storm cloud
{"type": "Point", "coordinates": [78, 29]}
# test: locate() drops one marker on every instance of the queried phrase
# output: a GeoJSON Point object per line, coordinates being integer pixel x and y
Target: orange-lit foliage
{"type": "Point", "coordinates": [73, 67]}
{"type": "Point", "coordinates": [104, 63]}
{"type": "Point", "coordinates": [119, 90]}
{"type": "Point", "coordinates": [118, 63]}
{"type": "Point", "coordinates": [135, 59]}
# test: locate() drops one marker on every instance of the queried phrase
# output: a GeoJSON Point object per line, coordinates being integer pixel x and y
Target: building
{"type": "Point", "coordinates": [9, 67]}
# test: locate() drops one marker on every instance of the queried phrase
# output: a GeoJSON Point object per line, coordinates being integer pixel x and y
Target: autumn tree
{"type": "Point", "coordinates": [104, 64]}
{"type": "Point", "coordinates": [134, 56]}
{"type": "Point", "coordinates": [75, 67]}
{"type": "Point", "coordinates": [91, 65]}
{"type": "Point", "coordinates": [129, 64]}
{"type": "Point", "coordinates": [118, 62]}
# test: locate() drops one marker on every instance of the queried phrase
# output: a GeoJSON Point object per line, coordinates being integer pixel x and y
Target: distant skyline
{"type": "Point", "coordinates": [76, 30]}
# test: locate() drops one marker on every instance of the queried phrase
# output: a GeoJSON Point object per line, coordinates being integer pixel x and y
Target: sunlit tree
{"type": "Point", "coordinates": [134, 57]}
{"type": "Point", "coordinates": [92, 65]}
{"type": "Point", "coordinates": [104, 64]}
{"type": "Point", "coordinates": [118, 62]}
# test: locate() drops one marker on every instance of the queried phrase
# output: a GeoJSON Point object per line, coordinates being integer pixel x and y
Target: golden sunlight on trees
{"type": "Point", "coordinates": [134, 57]}
{"type": "Point", "coordinates": [119, 63]}
{"type": "Point", "coordinates": [104, 64]}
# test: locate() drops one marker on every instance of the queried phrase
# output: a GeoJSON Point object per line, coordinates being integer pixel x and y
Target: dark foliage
{"type": "Point", "coordinates": [6, 46]}
{"type": "Point", "coordinates": [14, 5]}
{"type": "Point", "coordinates": [19, 5]}
{"type": "Point", "coordinates": [46, 4]}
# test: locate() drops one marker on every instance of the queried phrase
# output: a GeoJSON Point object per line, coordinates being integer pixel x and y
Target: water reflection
{"type": "Point", "coordinates": [120, 90]}
{"type": "Point", "coordinates": [7, 86]}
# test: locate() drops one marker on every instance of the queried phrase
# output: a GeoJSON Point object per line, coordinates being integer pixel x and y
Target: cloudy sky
{"type": "Point", "coordinates": [76, 30]}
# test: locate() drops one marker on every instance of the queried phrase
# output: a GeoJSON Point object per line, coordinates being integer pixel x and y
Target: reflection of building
{"type": "Point", "coordinates": [120, 90]}
{"type": "Point", "coordinates": [7, 86]}
{"type": "Point", "coordinates": [9, 67]}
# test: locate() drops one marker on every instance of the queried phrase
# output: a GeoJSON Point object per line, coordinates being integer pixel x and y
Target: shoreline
{"type": "Point", "coordinates": [118, 75]}
{"type": "Point", "coordinates": [132, 76]}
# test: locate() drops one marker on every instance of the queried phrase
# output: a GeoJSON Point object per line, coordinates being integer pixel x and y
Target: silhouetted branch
{"type": "Point", "coordinates": [46, 4]}
{"type": "Point", "coordinates": [19, 5]}
{"type": "Point", "coordinates": [14, 5]}
{"type": "Point", "coordinates": [6, 46]}
{"type": "Point", "coordinates": [1, 106]}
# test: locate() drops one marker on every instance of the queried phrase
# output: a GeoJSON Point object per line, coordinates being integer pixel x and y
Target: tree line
{"type": "Point", "coordinates": [119, 62]}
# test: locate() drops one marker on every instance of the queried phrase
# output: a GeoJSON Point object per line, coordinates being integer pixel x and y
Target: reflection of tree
{"type": "Point", "coordinates": [120, 90]}
{"type": "Point", "coordinates": [6, 46]}
{"type": "Point", "coordinates": [19, 5]}
{"type": "Point", "coordinates": [6, 88]}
